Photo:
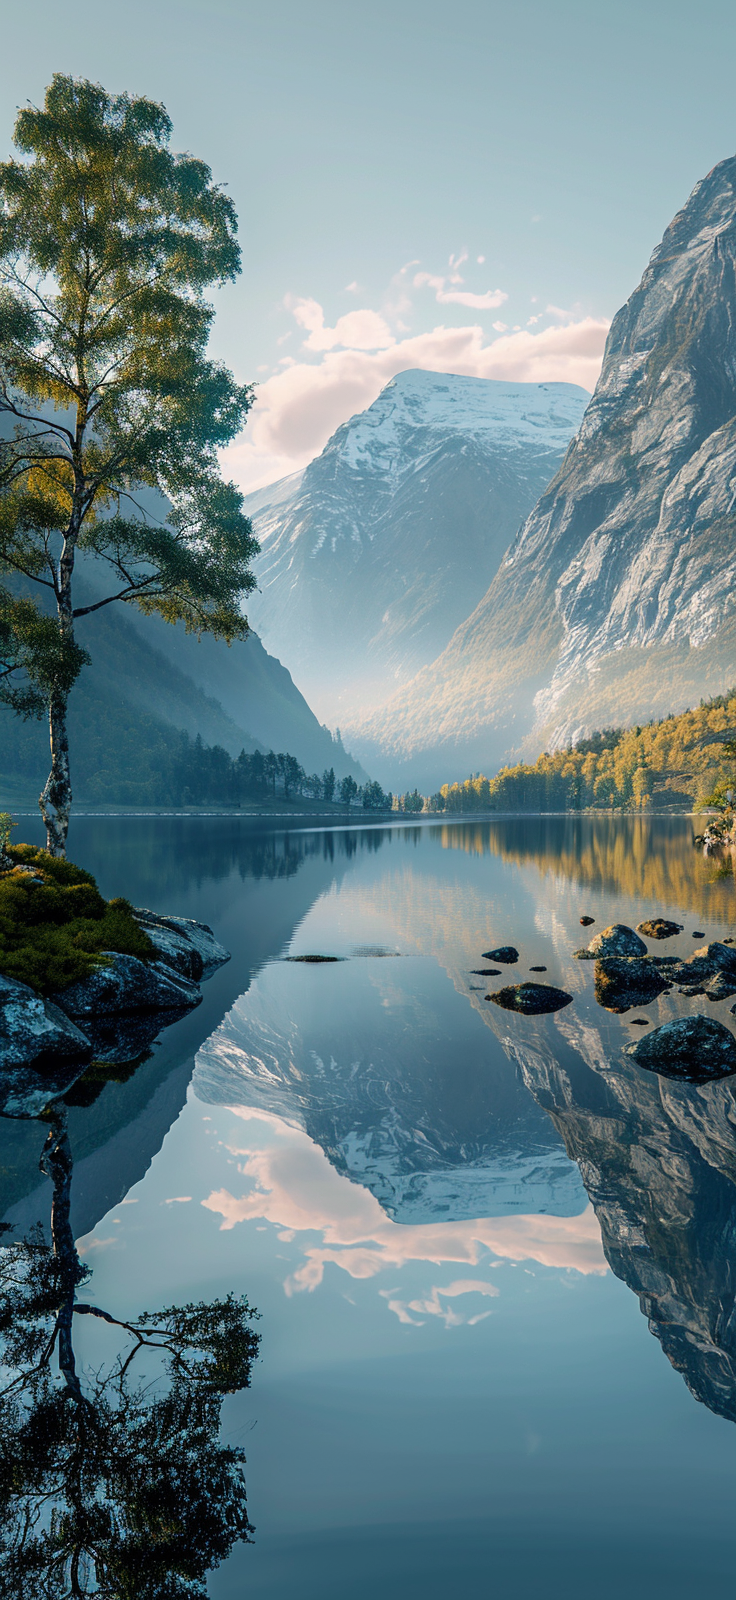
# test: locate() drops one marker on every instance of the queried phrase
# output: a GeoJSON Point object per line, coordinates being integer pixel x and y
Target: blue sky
{"type": "Point", "coordinates": [474, 187]}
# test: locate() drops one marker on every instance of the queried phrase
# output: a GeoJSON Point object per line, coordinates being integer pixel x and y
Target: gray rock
{"type": "Point", "coordinates": [721, 987]}
{"type": "Point", "coordinates": [720, 957]}
{"type": "Point", "coordinates": [128, 984]}
{"type": "Point", "coordinates": [625, 981]}
{"type": "Point", "coordinates": [532, 999]}
{"type": "Point", "coordinates": [693, 1050]}
{"type": "Point", "coordinates": [618, 940]}
{"type": "Point", "coordinates": [36, 1034]}
{"type": "Point", "coordinates": [173, 936]}
{"type": "Point", "coordinates": [120, 1038]}
{"type": "Point", "coordinates": [659, 928]}
{"type": "Point", "coordinates": [584, 955]}
{"type": "Point", "coordinates": [505, 953]}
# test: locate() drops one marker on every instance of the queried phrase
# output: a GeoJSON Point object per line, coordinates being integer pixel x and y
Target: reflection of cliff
{"type": "Point", "coordinates": [650, 859]}
{"type": "Point", "coordinates": [658, 1160]}
{"type": "Point", "coordinates": [398, 1081]}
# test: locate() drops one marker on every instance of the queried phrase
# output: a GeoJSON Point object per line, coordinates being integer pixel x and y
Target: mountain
{"type": "Point", "coordinates": [375, 553]}
{"type": "Point", "coordinates": [147, 681]}
{"type": "Point", "coordinates": [615, 602]}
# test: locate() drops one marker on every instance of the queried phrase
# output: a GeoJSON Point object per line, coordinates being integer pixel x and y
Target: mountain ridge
{"type": "Point", "coordinates": [614, 601]}
{"type": "Point", "coordinates": [387, 540]}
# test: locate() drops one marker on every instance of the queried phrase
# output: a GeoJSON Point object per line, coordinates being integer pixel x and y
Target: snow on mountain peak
{"type": "Point", "coordinates": [510, 415]}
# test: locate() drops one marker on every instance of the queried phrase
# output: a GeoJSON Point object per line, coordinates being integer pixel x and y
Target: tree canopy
{"type": "Point", "coordinates": [108, 241]}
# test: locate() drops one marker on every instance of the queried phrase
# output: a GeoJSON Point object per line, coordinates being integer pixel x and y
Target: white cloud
{"type": "Point", "coordinates": [299, 407]}
{"type": "Point", "coordinates": [352, 288]}
{"type": "Point", "coordinates": [357, 330]}
{"type": "Point", "coordinates": [458, 297]}
{"type": "Point", "coordinates": [480, 260]}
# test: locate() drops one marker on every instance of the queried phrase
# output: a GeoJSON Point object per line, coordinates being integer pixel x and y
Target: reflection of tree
{"type": "Point", "coordinates": [110, 1486]}
{"type": "Point", "coordinates": [650, 860]}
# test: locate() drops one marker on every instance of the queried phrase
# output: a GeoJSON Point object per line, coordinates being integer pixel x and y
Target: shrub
{"type": "Point", "coordinates": [54, 923]}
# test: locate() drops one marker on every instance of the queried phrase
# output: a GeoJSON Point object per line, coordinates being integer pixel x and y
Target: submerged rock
{"type": "Point", "coordinates": [34, 1033]}
{"type": "Point", "coordinates": [312, 959]}
{"type": "Point", "coordinates": [587, 922]}
{"type": "Point", "coordinates": [486, 972]}
{"type": "Point", "coordinates": [618, 940]}
{"type": "Point", "coordinates": [625, 981]}
{"type": "Point", "coordinates": [533, 999]}
{"type": "Point", "coordinates": [693, 1049]}
{"type": "Point", "coordinates": [128, 984]}
{"type": "Point", "coordinates": [659, 928]}
{"type": "Point", "coordinates": [505, 953]}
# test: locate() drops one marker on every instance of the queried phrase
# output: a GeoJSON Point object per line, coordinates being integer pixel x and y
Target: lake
{"type": "Point", "coordinates": [493, 1258]}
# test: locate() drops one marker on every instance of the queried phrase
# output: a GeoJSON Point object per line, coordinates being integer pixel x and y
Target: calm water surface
{"type": "Point", "coordinates": [454, 1221]}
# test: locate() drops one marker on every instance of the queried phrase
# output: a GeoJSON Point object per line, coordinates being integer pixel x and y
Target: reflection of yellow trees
{"type": "Point", "coordinates": [664, 763]}
{"type": "Point", "coordinates": [651, 861]}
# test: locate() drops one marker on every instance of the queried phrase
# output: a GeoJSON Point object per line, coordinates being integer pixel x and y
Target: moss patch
{"type": "Point", "coordinates": [54, 922]}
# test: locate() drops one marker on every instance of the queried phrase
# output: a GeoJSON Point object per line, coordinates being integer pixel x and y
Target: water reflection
{"type": "Point", "coordinates": [113, 1478]}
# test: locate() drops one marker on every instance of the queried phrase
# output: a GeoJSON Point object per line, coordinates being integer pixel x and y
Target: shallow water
{"type": "Point", "coordinates": [451, 1218]}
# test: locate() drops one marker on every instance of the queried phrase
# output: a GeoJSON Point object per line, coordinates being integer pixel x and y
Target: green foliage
{"type": "Point", "coordinates": [686, 759]}
{"type": "Point", "coordinates": [54, 923]}
{"type": "Point", "coordinates": [34, 655]}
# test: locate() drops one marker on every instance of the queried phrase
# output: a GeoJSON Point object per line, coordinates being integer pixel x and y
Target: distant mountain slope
{"type": "Point", "coordinates": [147, 679]}
{"type": "Point", "coordinates": [374, 554]}
{"type": "Point", "coordinates": [616, 601]}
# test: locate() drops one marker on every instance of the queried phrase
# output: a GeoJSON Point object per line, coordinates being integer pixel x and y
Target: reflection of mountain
{"type": "Point", "coordinates": [658, 1160]}
{"type": "Point", "coordinates": [401, 1085]}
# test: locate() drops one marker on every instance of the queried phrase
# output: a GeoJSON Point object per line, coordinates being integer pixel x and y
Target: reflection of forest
{"type": "Point", "coordinates": [650, 859]}
{"type": "Point", "coordinates": [112, 1482]}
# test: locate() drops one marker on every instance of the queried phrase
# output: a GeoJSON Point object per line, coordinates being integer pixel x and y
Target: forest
{"type": "Point", "coordinates": [682, 762]}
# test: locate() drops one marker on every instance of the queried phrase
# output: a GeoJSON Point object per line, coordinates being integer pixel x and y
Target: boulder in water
{"type": "Point", "coordinates": [125, 985]}
{"type": "Point", "coordinates": [505, 953]}
{"type": "Point", "coordinates": [34, 1033]}
{"type": "Point", "coordinates": [625, 981]}
{"type": "Point", "coordinates": [693, 1050]}
{"type": "Point", "coordinates": [659, 928]}
{"type": "Point", "coordinates": [190, 947]}
{"type": "Point", "coordinates": [618, 940]}
{"type": "Point", "coordinates": [531, 999]}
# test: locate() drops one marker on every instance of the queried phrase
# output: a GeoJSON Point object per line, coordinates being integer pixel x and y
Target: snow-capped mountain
{"type": "Point", "coordinates": [615, 603]}
{"type": "Point", "coordinates": [375, 553]}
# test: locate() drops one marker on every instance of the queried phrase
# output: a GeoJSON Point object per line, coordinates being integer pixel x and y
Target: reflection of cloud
{"type": "Point", "coordinates": [295, 1187]}
{"type": "Point", "coordinates": [433, 1307]}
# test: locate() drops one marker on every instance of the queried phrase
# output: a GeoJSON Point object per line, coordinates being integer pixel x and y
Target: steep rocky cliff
{"type": "Point", "coordinates": [615, 602]}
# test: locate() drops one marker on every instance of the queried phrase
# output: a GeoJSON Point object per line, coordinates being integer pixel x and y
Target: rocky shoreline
{"type": "Point", "coordinates": [111, 1016]}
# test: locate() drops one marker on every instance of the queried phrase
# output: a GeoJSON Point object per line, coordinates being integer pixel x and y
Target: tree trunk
{"type": "Point", "coordinates": [55, 800]}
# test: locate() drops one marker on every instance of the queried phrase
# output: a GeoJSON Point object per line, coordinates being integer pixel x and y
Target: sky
{"type": "Point", "coordinates": [471, 188]}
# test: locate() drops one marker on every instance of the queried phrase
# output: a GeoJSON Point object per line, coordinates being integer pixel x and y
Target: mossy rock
{"type": "Point", "coordinates": [54, 923]}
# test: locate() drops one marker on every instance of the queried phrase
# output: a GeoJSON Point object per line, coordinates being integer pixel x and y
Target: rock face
{"type": "Point", "coordinates": [618, 940]}
{"type": "Point", "coordinates": [389, 539]}
{"type": "Point", "coordinates": [128, 984]}
{"type": "Point", "coordinates": [614, 603]}
{"type": "Point", "coordinates": [531, 999]}
{"type": "Point", "coordinates": [35, 1034]}
{"type": "Point", "coordinates": [189, 947]}
{"type": "Point", "coordinates": [692, 1049]}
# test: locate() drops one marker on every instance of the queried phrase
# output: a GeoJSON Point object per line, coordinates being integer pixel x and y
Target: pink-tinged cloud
{"type": "Point", "coordinates": [299, 408]}
{"type": "Point", "coordinates": [293, 1185]}
{"type": "Point", "coordinates": [357, 330]}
